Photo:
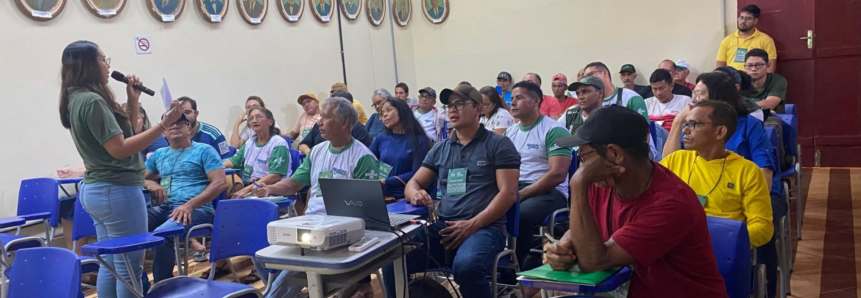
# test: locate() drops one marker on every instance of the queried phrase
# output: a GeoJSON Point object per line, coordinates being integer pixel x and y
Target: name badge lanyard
{"type": "Point", "coordinates": [169, 178]}
{"type": "Point", "coordinates": [693, 166]}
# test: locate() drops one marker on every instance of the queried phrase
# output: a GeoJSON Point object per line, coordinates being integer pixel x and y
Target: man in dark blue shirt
{"type": "Point", "coordinates": [203, 132]}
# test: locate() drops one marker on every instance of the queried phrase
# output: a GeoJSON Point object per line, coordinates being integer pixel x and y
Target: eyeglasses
{"type": "Point", "coordinates": [692, 125]}
{"type": "Point", "coordinates": [378, 105]}
{"type": "Point", "coordinates": [754, 66]}
{"type": "Point", "coordinates": [582, 155]}
{"type": "Point", "coordinates": [458, 105]}
{"type": "Point", "coordinates": [179, 124]}
{"type": "Point", "coordinates": [745, 19]}
{"type": "Point", "coordinates": [188, 112]}
{"type": "Point", "coordinates": [107, 61]}
{"type": "Point", "coordinates": [258, 117]}
{"type": "Point", "coordinates": [427, 97]}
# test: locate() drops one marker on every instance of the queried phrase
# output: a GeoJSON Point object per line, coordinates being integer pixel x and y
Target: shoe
{"type": "Point", "coordinates": [199, 257]}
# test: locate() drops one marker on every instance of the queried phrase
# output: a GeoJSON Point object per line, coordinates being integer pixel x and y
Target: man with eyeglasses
{"type": "Point", "coordinates": [202, 132]}
{"type": "Point", "coordinates": [188, 176]}
{"type": "Point", "coordinates": [768, 90]}
{"type": "Point", "coordinates": [431, 119]}
{"type": "Point", "coordinates": [664, 106]}
{"type": "Point", "coordinates": [590, 94]}
{"type": "Point", "coordinates": [478, 172]}
{"type": "Point", "coordinates": [549, 105]}
{"type": "Point", "coordinates": [733, 49]}
{"type": "Point", "coordinates": [627, 210]}
{"type": "Point", "coordinates": [543, 167]}
{"type": "Point", "coordinates": [613, 95]}
{"type": "Point", "coordinates": [727, 184]}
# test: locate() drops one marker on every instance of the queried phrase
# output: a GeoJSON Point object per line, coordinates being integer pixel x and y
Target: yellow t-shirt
{"type": "Point", "coordinates": [363, 118]}
{"type": "Point", "coordinates": [732, 43]}
{"type": "Point", "coordinates": [739, 193]}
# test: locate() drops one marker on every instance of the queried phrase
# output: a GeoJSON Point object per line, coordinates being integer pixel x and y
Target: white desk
{"type": "Point", "coordinates": [329, 271]}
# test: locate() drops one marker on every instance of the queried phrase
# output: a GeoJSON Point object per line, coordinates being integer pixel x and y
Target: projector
{"type": "Point", "coordinates": [316, 232]}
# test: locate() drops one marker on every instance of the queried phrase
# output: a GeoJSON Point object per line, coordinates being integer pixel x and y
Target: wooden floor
{"type": "Point", "coordinates": [827, 259]}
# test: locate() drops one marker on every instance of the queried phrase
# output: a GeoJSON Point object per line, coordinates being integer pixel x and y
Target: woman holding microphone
{"type": "Point", "coordinates": [103, 134]}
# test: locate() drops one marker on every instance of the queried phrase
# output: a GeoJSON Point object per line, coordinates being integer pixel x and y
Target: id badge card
{"type": "Point", "coordinates": [385, 170]}
{"type": "Point", "coordinates": [739, 55]}
{"type": "Point", "coordinates": [456, 181]}
{"type": "Point", "coordinates": [305, 132]}
{"type": "Point", "coordinates": [165, 183]}
{"type": "Point", "coordinates": [702, 199]}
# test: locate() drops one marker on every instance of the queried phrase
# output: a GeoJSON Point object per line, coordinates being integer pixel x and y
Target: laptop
{"type": "Point", "coordinates": [363, 199]}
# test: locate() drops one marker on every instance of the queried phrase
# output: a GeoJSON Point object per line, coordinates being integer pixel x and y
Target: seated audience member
{"type": "Point", "coordinates": [670, 66]}
{"type": "Point", "coordinates": [742, 84]}
{"type": "Point", "coordinates": [494, 117]}
{"type": "Point", "coordinates": [238, 138]}
{"type": "Point", "coordinates": [341, 151]}
{"type": "Point", "coordinates": [472, 210]}
{"type": "Point", "coordinates": [363, 117]}
{"type": "Point", "coordinates": [375, 124]}
{"type": "Point", "coordinates": [401, 148]}
{"type": "Point", "coordinates": [664, 106]}
{"type": "Point", "coordinates": [430, 118]}
{"type": "Point", "coordinates": [613, 95]}
{"type": "Point", "coordinates": [402, 92]}
{"type": "Point", "coordinates": [727, 185]}
{"type": "Point", "coordinates": [202, 132]}
{"type": "Point", "coordinates": [307, 120]}
{"type": "Point", "coordinates": [628, 75]}
{"type": "Point", "coordinates": [629, 210]}
{"type": "Point", "coordinates": [264, 158]}
{"type": "Point", "coordinates": [315, 136]}
{"type": "Point", "coordinates": [682, 73]}
{"type": "Point", "coordinates": [560, 91]}
{"type": "Point", "coordinates": [549, 105]}
{"type": "Point", "coordinates": [504, 80]}
{"type": "Point", "coordinates": [749, 141]}
{"type": "Point", "coordinates": [544, 166]}
{"type": "Point", "coordinates": [191, 176]}
{"type": "Point", "coordinates": [769, 89]}
{"type": "Point", "coordinates": [590, 93]}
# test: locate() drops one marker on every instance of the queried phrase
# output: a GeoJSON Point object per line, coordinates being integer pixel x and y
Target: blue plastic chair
{"type": "Point", "coordinates": [231, 151]}
{"type": "Point", "coordinates": [731, 245]}
{"type": "Point", "coordinates": [782, 230]}
{"type": "Point", "coordinates": [289, 141]}
{"type": "Point", "coordinates": [179, 234]}
{"type": "Point", "coordinates": [790, 140]}
{"type": "Point", "coordinates": [45, 272]}
{"type": "Point", "coordinates": [37, 200]}
{"type": "Point", "coordinates": [241, 231]}
{"type": "Point", "coordinates": [445, 131]}
{"type": "Point", "coordinates": [83, 227]}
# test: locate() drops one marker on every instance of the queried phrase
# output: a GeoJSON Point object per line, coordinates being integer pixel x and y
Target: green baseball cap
{"type": "Point", "coordinates": [628, 68]}
{"type": "Point", "coordinates": [591, 81]}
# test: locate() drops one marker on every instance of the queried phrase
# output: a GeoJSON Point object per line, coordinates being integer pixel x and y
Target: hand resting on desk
{"type": "Point", "coordinates": [561, 255]}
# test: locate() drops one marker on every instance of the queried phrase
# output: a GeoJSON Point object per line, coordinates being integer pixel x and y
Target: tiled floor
{"type": "Point", "coordinates": [827, 259]}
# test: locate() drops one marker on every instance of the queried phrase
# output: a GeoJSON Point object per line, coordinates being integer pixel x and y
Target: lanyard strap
{"type": "Point", "coordinates": [693, 166]}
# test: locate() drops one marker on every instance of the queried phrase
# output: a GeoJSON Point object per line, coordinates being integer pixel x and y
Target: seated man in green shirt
{"type": "Point", "coordinates": [769, 89]}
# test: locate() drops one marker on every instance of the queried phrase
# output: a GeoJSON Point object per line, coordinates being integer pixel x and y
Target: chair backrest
{"type": "Point", "coordinates": [790, 133]}
{"type": "Point", "coordinates": [771, 133]}
{"type": "Point", "coordinates": [575, 163]}
{"type": "Point", "coordinates": [222, 196]}
{"type": "Point", "coordinates": [289, 141]}
{"type": "Point", "coordinates": [731, 245]}
{"type": "Point", "coordinates": [45, 272]}
{"type": "Point", "coordinates": [231, 151]}
{"type": "Point", "coordinates": [39, 195]}
{"type": "Point", "coordinates": [791, 110]}
{"type": "Point", "coordinates": [83, 225]}
{"type": "Point", "coordinates": [512, 219]}
{"type": "Point", "coordinates": [445, 130]}
{"type": "Point", "coordinates": [295, 160]}
{"type": "Point", "coordinates": [239, 228]}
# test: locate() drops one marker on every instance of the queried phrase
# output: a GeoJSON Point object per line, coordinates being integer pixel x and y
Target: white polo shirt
{"type": "Point", "coordinates": [536, 144]}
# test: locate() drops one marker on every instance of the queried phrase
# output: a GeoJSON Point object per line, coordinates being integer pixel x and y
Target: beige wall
{"type": "Point", "coordinates": [218, 65]}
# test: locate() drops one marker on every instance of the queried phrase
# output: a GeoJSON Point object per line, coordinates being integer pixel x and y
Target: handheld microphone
{"type": "Point", "coordinates": [116, 75]}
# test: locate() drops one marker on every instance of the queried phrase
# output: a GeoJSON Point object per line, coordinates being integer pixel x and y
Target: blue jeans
{"type": "Point", "coordinates": [164, 257]}
{"type": "Point", "coordinates": [472, 264]}
{"type": "Point", "coordinates": [117, 211]}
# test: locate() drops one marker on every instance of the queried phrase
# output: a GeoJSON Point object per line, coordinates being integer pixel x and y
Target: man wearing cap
{"type": "Point", "coordinates": [549, 105]}
{"type": "Point", "coordinates": [431, 119]}
{"type": "Point", "coordinates": [590, 93]}
{"type": "Point", "coordinates": [560, 91]}
{"type": "Point", "coordinates": [612, 94]}
{"type": "Point", "coordinates": [190, 176]}
{"type": "Point", "coordinates": [363, 117]}
{"type": "Point", "coordinates": [628, 210]}
{"type": "Point", "coordinates": [316, 137]}
{"type": "Point", "coordinates": [310, 117]}
{"type": "Point", "coordinates": [504, 80]}
{"type": "Point", "coordinates": [478, 172]}
{"type": "Point", "coordinates": [543, 166]}
{"type": "Point", "coordinates": [664, 106]}
{"type": "Point", "coordinates": [682, 73]}
{"type": "Point", "coordinates": [733, 49]}
{"type": "Point", "coordinates": [202, 132]}
{"type": "Point", "coordinates": [628, 75]}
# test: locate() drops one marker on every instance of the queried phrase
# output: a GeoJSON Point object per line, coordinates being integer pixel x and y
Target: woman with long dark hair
{"type": "Point", "coordinates": [749, 141]}
{"type": "Point", "coordinates": [495, 117]}
{"type": "Point", "coordinates": [402, 147]}
{"type": "Point", "coordinates": [268, 145]}
{"type": "Point", "coordinates": [104, 136]}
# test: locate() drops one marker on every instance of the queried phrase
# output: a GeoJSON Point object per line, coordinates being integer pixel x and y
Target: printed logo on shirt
{"type": "Point", "coordinates": [532, 146]}
{"type": "Point", "coordinates": [641, 111]}
{"type": "Point", "coordinates": [261, 161]}
{"type": "Point", "coordinates": [339, 171]}
{"type": "Point", "coordinates": [481, 163]}
{"type": "Point", "coordinates": [730, 185]}
{"type": "Point", "coordinates": [553, 147]}
{"type": "Point", "coordinates": [428, 121]}
{"type": "Point", "coordinates": [223, 147]}
{"type": "Point", "coordinates": [278, 161]}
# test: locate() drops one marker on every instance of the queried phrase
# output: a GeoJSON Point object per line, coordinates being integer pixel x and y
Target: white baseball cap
{"type": "Point", "coordinates": [682, 64]}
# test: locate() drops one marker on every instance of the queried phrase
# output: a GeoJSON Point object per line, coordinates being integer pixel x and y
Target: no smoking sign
{"type": "Point", "coordinates": [143, 44]}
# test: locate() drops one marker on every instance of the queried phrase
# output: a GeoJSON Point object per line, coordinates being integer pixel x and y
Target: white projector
{"type": "Point", "coordinates": [317, 232]}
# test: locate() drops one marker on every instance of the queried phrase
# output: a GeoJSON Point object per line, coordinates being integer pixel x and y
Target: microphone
{"type": "Point", "coordinates": [116, 75]}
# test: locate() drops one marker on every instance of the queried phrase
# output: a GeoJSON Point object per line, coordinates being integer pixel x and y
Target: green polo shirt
{"type": "Point", "coordinates": [775, 85]}
{"type": "Point", "coordinates": [93, 124]}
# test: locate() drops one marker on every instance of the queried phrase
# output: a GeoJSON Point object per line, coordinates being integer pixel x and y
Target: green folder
{"type": "Point", "coordinates": [572, 276]}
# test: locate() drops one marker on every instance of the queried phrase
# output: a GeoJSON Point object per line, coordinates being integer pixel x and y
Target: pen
{"type": "Point", "coordinates": [552, 240]}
